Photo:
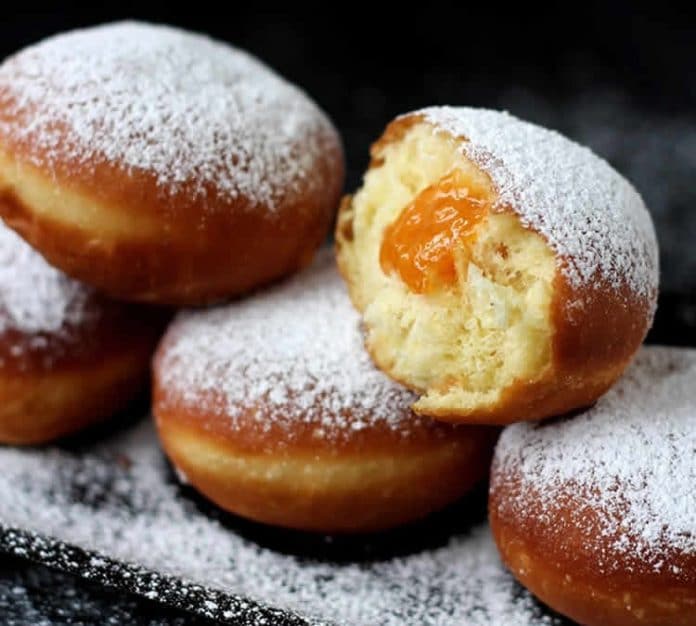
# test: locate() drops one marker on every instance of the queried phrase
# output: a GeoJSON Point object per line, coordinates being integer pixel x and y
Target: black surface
{"type": "Point", "coordinates": [31, 594]}
{"type": "Point", "coordinates": [102, 583]}
{"type": "Point", "coordinates": [613, 75]}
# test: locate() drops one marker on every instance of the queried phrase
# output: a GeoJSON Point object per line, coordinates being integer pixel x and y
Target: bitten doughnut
{"type": "Point", "coordinates": [503, 272]}
{"type": "Point", "coordinates": [68, 357]}
{"type": "Point", "coordinates": [595, 514]}
{"type": "Point", "coordinates": [271, 408]}
{"type": "Point", "coordinates": [162, 166]}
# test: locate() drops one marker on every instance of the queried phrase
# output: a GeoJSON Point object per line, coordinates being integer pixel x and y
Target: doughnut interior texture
{"type": "Point", "coordinates": [496, 345]}
{"type": "Point", "coordinates": [271, 409]}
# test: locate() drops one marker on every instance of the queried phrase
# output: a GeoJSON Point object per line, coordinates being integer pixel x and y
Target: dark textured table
{"type": "Point", "coordinates": [33, 595]}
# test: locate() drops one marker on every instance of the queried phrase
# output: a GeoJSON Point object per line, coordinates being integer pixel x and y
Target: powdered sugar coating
{"type": "Point", "coordinates": [630, 457]}
{"type": "Point", "coordinates": [590, 215]}
{"type": "Point", "coordinates": [36, 298]}
{"type": "Point", "coordinates": [292, 354]}
{"type": "Point", "coordinates": [199, 115]}
{"type": "Point", "coordinates": [117, 498]}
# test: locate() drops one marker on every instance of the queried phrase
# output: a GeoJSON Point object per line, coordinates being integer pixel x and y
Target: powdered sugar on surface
{"type": "Point", "coordinates": [292, 353]}
{"type": "Point", "coordinates": [630, 457]}
{"type": "Point", "coordinates": [198, 114]}
{"type": "Point", "coordinates": [36, 298]}
{"type": "Point", "coordinates": [118, 499]}
{"type": "Point", "coordinates": [591, 216]}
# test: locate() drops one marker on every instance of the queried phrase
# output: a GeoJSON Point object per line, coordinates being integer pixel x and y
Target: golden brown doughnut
{"type": "Point", "coordinates": [503, 272]}
{"type": "Point", "coordinates": [595, 514]}
{"type": "Point", "coordinates": [162, 166]}
{"type": "Point", "coordinates": [271, 408]}
{"type": "Point", "coordinates": [68, 357]}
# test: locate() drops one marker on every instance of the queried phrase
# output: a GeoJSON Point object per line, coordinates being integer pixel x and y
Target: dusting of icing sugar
{"type": "Point", "coordinates": [630, 457]}
{"type": "Point", "coordinates": [196, 113]}
{"type": "Point", "coordinates": [36, 298]}
{"type": "Point", "coordinates": [293, 353]}
{"type": "Point", "coordinates": [135, 513]}
{"type": "Point", "coordinates": [590, 215]}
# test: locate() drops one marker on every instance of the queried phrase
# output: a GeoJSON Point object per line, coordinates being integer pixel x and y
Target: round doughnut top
{"type": "Point", "coordinates": [589, 214]}
{"type": "Point", "coordinates": [35, 298]}
{"type": "Point", "coordinates": [198, 115]}
{"type": "Point", "coordinates": [630, 458]}
{"type": "Point", "coordinates": [292, 355]}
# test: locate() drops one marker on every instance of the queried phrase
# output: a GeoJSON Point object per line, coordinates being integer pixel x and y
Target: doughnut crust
{"type": "Point", "coordinates": [502, 271]}
{"type": "Point", "coordinates": [595, 514]}
{"type": "Point", "coordinates": [68, 357]}
{"type": "Point", "coordinates": [162, 166]}
{"type": "Point", "coordinates": [271, 408]}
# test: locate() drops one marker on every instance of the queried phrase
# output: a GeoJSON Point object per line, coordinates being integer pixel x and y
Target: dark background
{"type": "Point", "coordinates": [615, 75]}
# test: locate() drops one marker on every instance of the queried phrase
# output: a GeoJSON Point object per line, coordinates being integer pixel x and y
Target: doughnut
{"type": "Point", "coordinates": [596, 514]}
{"type": "Point", "coordinates": [68, 357]}
{"type": "Point", "coordinates": [271, 408]}
{"type": "Point", "coordinates": [503, 272]}
{"type": "Point", "coordinates": [162, 166]}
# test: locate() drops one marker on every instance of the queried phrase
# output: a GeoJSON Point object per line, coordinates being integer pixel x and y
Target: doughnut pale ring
{"type": "Point", "coordinates": [272, 409]}
{"type": "Point", "coordinates": [68, 357]}
{"type": "Point", "coordinates": [503, 272]}
{"type": "Point", "coordinates": [595, 514]}
{"type": "Point", "coordinates": [162, 166]}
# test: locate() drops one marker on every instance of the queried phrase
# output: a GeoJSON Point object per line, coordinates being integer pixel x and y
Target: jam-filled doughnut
{"type": "Point", "coordinates": [595, 514]}
{"type": "Point", "coordinates": [68, 357]}
{"type": "Point", "coordinates": [162, 166]}
{"type": "Point", "coordinates": [271, 408]}
{"type": "Point", "coordinates": [503, 272]}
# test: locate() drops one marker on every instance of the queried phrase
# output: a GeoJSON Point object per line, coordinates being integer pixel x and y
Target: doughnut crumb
{"type": "Point", "coordinates": [489, 257]}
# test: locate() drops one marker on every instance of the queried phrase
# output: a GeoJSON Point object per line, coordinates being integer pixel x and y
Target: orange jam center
{"type": "Point", "coordinates": [420, 244]}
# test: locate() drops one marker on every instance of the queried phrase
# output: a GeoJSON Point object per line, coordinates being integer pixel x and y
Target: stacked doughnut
{"type": "Point", "coordinates": [495, 273]}
{"type": "Point", "coordinates": [140, 163]}
{"type": "Point", "coordinates": [162, 166]}
{"type": "Point", "coordinates": [595, 513]}
{"type": "Point", "coordinates": [506, 275]}
{"type": "Point", "coordinates": [69, 357]}
{"type": "Point", "coordinates": [272, 409]}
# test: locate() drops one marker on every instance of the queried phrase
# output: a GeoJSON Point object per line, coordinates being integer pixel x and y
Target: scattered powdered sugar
{"type": "Point", "coordinates": [630, 457]}
{"type": "Point", "coordinates": [588, 213]}
{"type": "Point", "coordinates": [196, 113]}
{"type": "Point", "coordinates": [118, 499]}
{"type": "Point", "coordinates": [296, 350]}
{"type": "Point", "coordinates": [35, 297]}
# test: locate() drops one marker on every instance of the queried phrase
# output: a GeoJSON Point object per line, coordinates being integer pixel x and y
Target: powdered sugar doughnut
{"type": "Point", "coordinates": [503, 272]}
{"type": "Point", "coordinates": [163, 166]}
{"type": "Point", "coordinates": [596, 514]}
{"type": "Point", "coordinates": [271, 408]}
{"type": "Point", "coordinates": [68, 357]}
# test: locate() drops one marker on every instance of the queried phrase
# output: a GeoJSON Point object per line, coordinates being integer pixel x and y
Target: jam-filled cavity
{"type": "Point", "coordinates": [420, 245]}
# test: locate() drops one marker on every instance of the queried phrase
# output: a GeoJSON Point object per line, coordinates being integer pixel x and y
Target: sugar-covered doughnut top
{"type": "Point", "coordinates": [630, 458]}
{"type": "Point", "coordinates": [197, 114]}
{"type": "Point", "coordinates": [35, 298]}
{"type": "Point", "coordinates": [591, 216]}
{"type": "Point", "coordinates": [292, 354]}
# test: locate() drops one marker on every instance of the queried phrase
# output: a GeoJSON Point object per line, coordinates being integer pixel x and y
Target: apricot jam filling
{"type": "Point", "coordinates": [419, 245]}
